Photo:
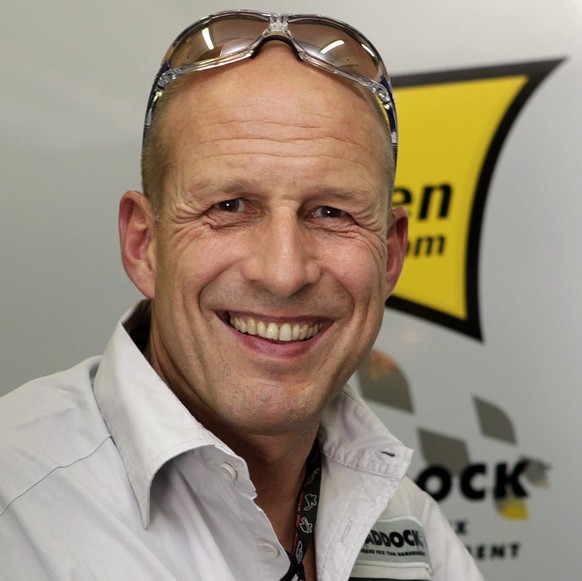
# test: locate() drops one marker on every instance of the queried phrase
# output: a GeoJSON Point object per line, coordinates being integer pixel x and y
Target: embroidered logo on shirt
{"type": "Point", "coordinates": [398, 542]}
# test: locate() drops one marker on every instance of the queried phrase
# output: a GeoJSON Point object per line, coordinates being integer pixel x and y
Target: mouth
{"type": "Point", "coordinates": [282, 332]}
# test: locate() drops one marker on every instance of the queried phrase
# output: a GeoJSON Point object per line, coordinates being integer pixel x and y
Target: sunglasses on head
{"type": "Point", "coordinates": [229, 37]}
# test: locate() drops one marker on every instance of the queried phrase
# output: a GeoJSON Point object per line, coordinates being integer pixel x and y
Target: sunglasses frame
{"type": "Point", "coordinates": [276, 28]}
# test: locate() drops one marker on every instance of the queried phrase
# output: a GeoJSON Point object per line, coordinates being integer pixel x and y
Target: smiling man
{"type": "Point", "coordinates": [216, 438]}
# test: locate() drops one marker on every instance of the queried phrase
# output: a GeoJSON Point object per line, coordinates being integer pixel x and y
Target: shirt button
{"type": "Point", "coordinates": [228, 472]}
{"type": "Point", "coordinates": [269, 549]}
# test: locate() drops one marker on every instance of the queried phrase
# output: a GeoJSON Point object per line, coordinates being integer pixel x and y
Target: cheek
{"type": "Point", "coordinates": [189, 264]}
{"type": "Point", "coordinates": [361, 269]}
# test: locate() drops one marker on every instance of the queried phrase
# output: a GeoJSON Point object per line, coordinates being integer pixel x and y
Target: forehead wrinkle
{"type": "Point", "coordinates": [257, 127]}
{"type": "Point", "coordinates": [262, 105]}
{"type": "Point", "coordinates": [311, 126]}
{"type": "Point", "coordinates": [285, 155]}
{"type": "Point", "coordinates": [263, 144]}
{"type": "Point", "coordinates": [222, 146]}
{"type": "Point", "coordinates": [256, 132]}
{"type": "Point", "coordinates": [259, 116]}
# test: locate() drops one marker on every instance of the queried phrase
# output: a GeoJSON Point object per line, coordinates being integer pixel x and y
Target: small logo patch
{"type": "Point", "coordinates": [398, 542]}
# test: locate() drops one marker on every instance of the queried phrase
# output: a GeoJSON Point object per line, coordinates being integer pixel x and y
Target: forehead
{"type": "Point", "coordinates": [277, 98]}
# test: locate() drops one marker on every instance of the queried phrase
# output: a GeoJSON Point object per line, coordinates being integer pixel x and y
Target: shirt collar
{"type": "Point", "coordinates": [352, 435]}
{"type": "Point", "coordinates": [148, 423]}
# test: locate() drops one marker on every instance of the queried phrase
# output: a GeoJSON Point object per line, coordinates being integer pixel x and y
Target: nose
{"type": "Point", "coordinates": [282, 258]}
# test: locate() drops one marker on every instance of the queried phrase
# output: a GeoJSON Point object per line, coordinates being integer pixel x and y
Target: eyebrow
{"type": "Point", "coordinates": [240, 186]}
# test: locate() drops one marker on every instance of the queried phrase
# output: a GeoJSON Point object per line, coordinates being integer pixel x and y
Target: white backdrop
{"type": "Point", "coordinates": [75, 81]}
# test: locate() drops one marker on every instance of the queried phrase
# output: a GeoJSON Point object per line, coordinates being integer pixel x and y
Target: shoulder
{"type": "Point", "coordinates": [47, 401]}
{"type": "Point", "coordinates": [47, 423]}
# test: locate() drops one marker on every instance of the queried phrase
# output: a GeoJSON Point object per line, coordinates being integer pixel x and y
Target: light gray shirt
{"type": "Point", "coordinates": [105, 475]}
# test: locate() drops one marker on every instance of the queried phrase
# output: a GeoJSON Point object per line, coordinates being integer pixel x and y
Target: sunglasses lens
{"type": "Point", "coordinates": [335, 46]}
{"type": "Point", "coordinates": [219, 38]}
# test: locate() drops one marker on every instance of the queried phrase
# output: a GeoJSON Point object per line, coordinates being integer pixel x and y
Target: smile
{"type": "Point", "coordinates": [273, 331]}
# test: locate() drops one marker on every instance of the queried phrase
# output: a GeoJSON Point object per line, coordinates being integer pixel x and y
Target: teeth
{"type": "Point", "coordinates": [261, 329]}
{"type": "Point", "coordinates": [285, 332]}
{"type": "Point", "coordinates": [275, 332]}
{"type": "Point", "coordinates": [295, 332]}
{"type": "Point", "coordinates": [272, 332]}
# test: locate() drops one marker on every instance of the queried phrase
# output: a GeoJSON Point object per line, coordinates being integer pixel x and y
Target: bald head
{"type": "Point", "coordinates": [272, 88]}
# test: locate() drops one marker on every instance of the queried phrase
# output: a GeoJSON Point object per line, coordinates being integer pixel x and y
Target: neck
{"type": "Point", "coordinates": [277, 468]}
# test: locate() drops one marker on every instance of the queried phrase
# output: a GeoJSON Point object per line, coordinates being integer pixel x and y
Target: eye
{"type": "Point", "coordinates": [235, 205]}
{"type": "Point", "coordinates": [329, 212]}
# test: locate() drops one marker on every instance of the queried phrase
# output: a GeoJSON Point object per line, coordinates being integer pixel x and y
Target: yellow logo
{"type": "Point", "coordinates": [452, 128]}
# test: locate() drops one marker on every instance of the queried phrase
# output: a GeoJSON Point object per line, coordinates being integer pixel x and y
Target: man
{"type": "Point", "coordinates": [217, 426]}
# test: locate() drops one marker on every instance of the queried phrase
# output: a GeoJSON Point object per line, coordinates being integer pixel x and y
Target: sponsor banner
{"type": "Point", "coordinates": [453, 127]}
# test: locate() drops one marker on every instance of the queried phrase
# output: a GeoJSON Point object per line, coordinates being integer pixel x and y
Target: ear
{"type": "Point", "coordinates": [396, 239]}
{"type": "Point", "coordinates": [137, 240]}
